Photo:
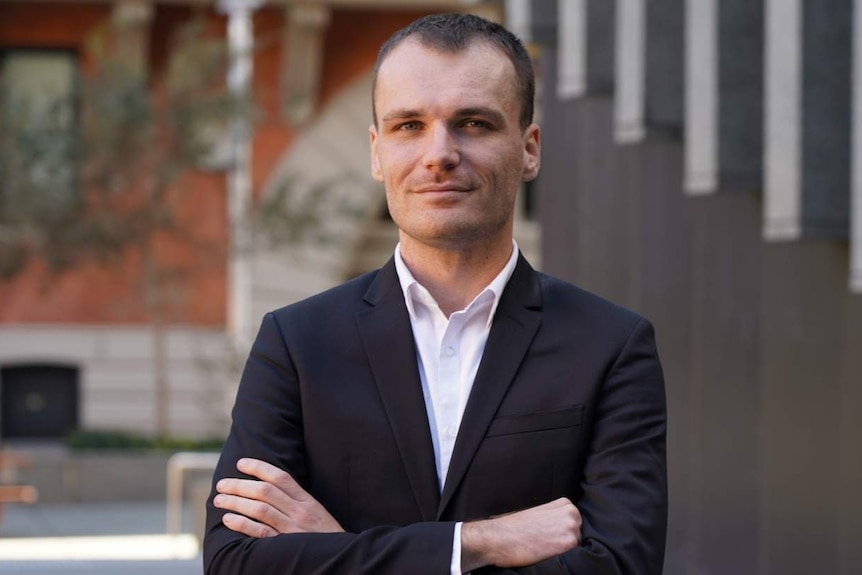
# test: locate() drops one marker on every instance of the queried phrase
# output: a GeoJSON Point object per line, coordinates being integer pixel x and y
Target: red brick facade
{"type": "Point", "coordinates": [98, 294]}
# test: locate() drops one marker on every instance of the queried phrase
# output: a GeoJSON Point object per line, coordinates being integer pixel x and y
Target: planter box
{"type": "Point", "coordinates": [97, 476]}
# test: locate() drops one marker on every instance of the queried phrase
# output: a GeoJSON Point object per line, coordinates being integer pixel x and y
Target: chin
{"type": "Point", "coordinates": [451, 236]}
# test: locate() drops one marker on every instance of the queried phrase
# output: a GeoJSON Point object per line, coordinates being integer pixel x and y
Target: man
{"type": "Point", "coordinates": [454, 411]}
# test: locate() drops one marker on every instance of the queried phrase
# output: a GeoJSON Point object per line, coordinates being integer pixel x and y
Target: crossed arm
{"type": "Point", "coordinates": [273, 525]}
{"type": "Point", "coordinates": [274, 503]}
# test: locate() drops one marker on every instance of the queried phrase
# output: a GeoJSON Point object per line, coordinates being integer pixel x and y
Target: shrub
{"type": "Point", "coordinates": [124, 440]}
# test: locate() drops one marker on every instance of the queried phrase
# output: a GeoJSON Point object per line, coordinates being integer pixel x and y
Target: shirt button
{"type": "Point", "coordinates": [450, 432]}
{"type": "Point", "coordinates": [450, 351]}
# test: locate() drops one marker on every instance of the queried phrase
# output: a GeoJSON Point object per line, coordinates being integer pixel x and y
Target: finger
{"type": "Point", "coordinates": [250, 488]}
{"type": "Point", "coordinates": [257, 499]}
{"type": "Point", "coordinates": [259, 511]}
{"type": "Point", "coordinates": [255, 489]}
{"type": "Point", "coordinates": [272, 474]}
{"type": "Point", "coordinates": [247, 526]}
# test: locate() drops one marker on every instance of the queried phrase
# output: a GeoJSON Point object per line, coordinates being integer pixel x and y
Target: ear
{"type": "Point", "coordinates": [375, 162]}
{"type": "Point", "coordinates": [532, 153]}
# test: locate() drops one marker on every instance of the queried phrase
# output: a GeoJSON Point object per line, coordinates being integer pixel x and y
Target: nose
{"type": "Point", "coordinates": [441, 152]}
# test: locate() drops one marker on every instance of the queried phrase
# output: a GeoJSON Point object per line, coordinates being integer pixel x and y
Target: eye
{"type": "Point", "coordinates": [407, 126]}
{"type": "Point", "coordinates": [473, 123]}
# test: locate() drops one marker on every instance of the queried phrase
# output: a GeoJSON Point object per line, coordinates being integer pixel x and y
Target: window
{"type": "Point", "coordinates": [38, 124]}
{"type": "Point", "coordinates": [38, 401]}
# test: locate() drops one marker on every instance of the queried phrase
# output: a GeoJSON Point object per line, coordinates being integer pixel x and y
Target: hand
{"type": "Point", "coordinates": [275, 504]}
{"type": "Point", "coordinates": [522, 538]}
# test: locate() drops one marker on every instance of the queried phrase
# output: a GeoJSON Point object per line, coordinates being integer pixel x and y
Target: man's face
{"type": "Point", "coordinates": [447, 144]}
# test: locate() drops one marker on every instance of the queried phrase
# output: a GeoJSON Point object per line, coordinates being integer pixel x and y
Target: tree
{"type": "Point", "coordinates": [102, 177]}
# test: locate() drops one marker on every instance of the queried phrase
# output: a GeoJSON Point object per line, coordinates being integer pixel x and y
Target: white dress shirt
{"type": "Point", "coordinates": [448, 352]}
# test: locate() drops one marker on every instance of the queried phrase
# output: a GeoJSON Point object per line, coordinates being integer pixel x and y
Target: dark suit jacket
{"type": "Point", "coordinates": [568, 401]}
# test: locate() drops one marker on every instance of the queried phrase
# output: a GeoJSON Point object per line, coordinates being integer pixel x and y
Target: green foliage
{"type": "Point", "coordinates": [295, 212]}
{"type": "Point", "coordinates": [127, 441]}
{"type": "Point", "coordinates": [87, 177]}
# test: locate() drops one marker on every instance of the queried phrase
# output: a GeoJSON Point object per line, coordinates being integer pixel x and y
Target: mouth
{"type": "Point", "coordinates": [443, 188]}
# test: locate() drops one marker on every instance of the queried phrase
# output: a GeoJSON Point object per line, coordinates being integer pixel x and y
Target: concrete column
{"type": "Point", "coordinates": [239, 184]}
{"type": "Point", "coordinates": [572, 62]}
{"type": "Point", "coordinates": [586, 47]}
{"type": "Point", "coordinates": [133, 18]}
{"type": "Point", "coordinates": [808, 119]}
{"type": "Point", "coordinates": [649, 64]}
{"type": "Point", "coordinates": [518, 18]}
{"type": "Point", "coordinates": [630, 69]}
{"type": "Point", "coordinates": [783, 178]}
{"type": "Point", "coordinates": [303, 58]}
{"type": "Point", "coordinates": [724, 96]}
{"type": "Point", "coordinates": [701, 97]}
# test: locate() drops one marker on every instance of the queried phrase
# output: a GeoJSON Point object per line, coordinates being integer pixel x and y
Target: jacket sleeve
{"type": "Point", "coordinates": [267, 424]}
{"type": "Point", "coordinates": [624, 501]}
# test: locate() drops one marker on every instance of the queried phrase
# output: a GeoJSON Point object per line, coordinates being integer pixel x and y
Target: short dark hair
{"type": "Point", "coordinates": [454, 32]}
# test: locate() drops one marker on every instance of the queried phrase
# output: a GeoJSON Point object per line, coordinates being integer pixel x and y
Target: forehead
{"type": "Point", "coordinates": [414, 75]}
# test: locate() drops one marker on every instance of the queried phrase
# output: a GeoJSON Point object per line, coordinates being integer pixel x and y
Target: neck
{"type": "Point", "coordinates": [454, 277]}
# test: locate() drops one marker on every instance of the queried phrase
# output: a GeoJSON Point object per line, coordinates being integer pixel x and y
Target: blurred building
{"type": "Point", "coordinates": [77, 350]}
{"type": "Point", "coordinates": [702, 166]}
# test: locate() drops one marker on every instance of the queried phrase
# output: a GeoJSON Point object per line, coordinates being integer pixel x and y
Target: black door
{"type": "Point", "coordinates": [38, 401]}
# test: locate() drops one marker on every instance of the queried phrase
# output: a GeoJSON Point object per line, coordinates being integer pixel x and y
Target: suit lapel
{"type": "Point", "coordinates": [388, 340]}
{"type": "Point", "coordinates": [515, 324]}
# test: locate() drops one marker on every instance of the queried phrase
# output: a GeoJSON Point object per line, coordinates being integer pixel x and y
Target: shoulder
{"type": "Point", "coordinates": [344, 298]}
{"type": "Point", "coordinates": [562, 296]}
{"type": "Point", "coordinates": [579, 315]}
{"type": "Point", "coordinates": [593, 325]}
{"type": "Point", "coordinates": [323, 318]}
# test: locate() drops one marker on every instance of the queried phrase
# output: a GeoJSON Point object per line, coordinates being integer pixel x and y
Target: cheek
{"type": "Point", "coordinates": [394, 159]}
{"type": "Point", "coordinates": [396, 207]}
{"type": "Point", "coordinates": [504, 167]}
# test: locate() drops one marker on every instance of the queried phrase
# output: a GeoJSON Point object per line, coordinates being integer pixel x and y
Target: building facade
{"type": "Point", "coordinates": [81, 350]}
{"type": "Point", "coordinates": [701, 166]}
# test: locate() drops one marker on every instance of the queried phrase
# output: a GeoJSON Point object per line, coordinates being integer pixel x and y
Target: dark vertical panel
{"type": "Point", "coordinates": [615, 221]}
{"type": "Point", "coordinates": [665, 54]}
{"type": "Point", "coordinates": [760, 342]}
{"type": "Point", "coordinates": [543, 22]}
{"type": "Point", "coordinates": [604, 228]}
{"type": "Point", "coordinates": [662, 241]}
{"type": "Point", "coordinates": [803, 306]}
{"type": "Point", "coordinates": [826, 85]}
{"type": "Point", "coordinates": [740, 94]}
{"type": "Point", "coordinates": [601, 35]}
{"type": "Point", "coordinates": [850, 438]}
{"type": "Point", "coordinates": [555, 190]}
{"type": "Point", "coordinates": [585, 211]}
{"type": "Point", "coordinates": [724, 354]}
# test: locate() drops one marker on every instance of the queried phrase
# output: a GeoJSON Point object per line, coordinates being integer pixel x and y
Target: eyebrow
{"type": "Point", "coordinates": [400, 115]}
{"type": "Point", "coordinates": [492, 114]}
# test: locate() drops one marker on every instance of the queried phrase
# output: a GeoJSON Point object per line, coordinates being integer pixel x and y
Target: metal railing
{"type": "Point", "coordinates": [178, 465]}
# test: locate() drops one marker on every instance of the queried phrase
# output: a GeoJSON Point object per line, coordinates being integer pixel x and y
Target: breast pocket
{"type": "Point", "coordinates": [518, 462]}
{"type": "Point", "coordinates": [536, 421]}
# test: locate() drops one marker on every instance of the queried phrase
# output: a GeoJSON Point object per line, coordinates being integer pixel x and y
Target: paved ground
{"type": "Point", "coordinates": [97, 523]}
{"type": "Point", "coordinates": [173, 567]}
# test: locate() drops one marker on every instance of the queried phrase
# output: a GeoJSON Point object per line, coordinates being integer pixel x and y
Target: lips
{"type": "Point", "coordinates": [443, 188]}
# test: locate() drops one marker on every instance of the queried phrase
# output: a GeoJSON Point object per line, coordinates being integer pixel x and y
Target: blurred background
{"type": "Point", "coordinates": [171, 170]}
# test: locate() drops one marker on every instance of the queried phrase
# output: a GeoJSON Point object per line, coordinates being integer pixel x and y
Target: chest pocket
{"type": "Point", "coordinates": [525, 460]}
{"type": "Point", "coordinates": [537, 421]}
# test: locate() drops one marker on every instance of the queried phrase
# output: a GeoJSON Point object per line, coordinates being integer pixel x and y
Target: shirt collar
{"type": "Point", "coordinates": [412, 288]}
